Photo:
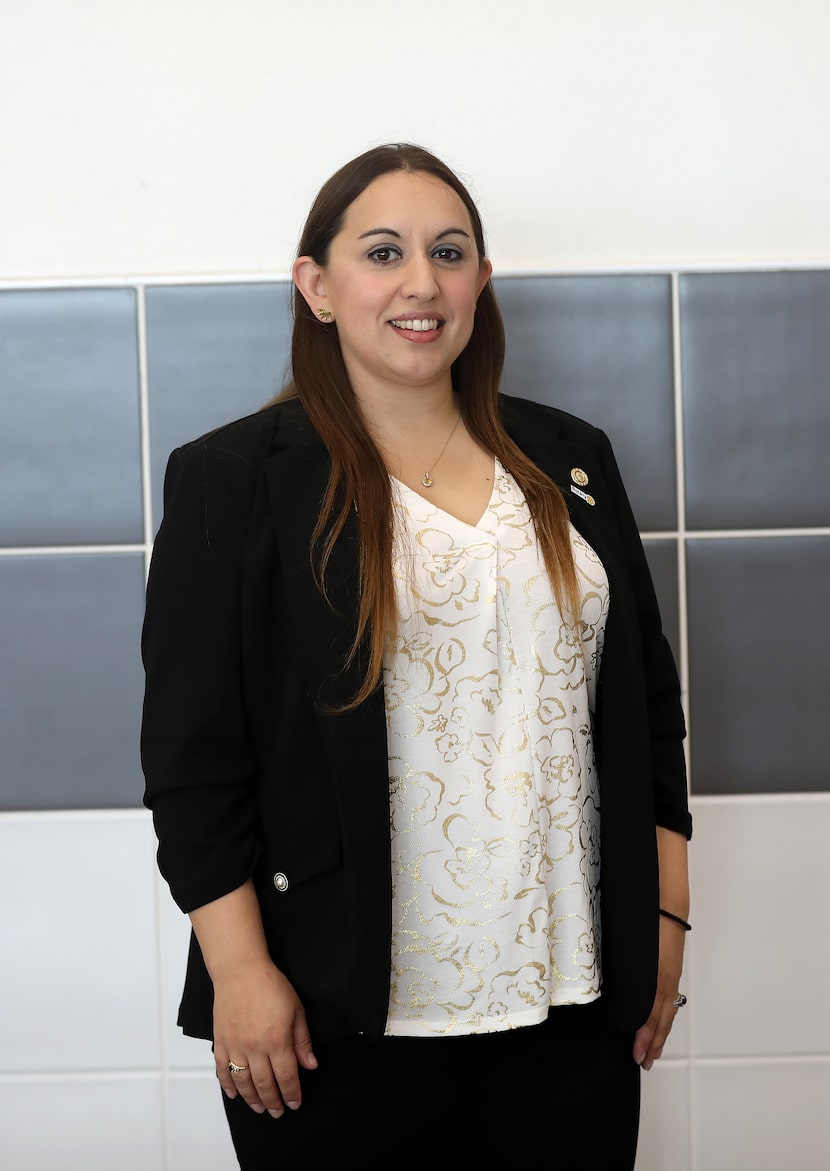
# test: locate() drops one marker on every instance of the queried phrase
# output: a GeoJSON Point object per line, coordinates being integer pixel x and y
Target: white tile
{"type": "Point", "coordinates": [78, 914]}
{"type": "Point", "coordinates": [770, 1116]}
{"type": "Point", "coordinates": [82, 1123]}
{"type": "Point", "coordinates": [760, 882]}
{"type": "Point", "coordinates": [665, 1123]}
{"type": "Point", "coordinates": [198, 1134]}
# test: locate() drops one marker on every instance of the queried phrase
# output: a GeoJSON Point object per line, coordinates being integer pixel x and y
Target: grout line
{"type": "Point", "coordinates": [657, 535]}
{"type": "Point", "coordinates": [802, 797]}
{"type": "Point", "coordinates": [158, 907]}
{"type": "Point", "coordinates": [191, 1073]}
{"type": "Point", "coordinates": [680, 487]}
{"type": "Point", "coordinates": [131, 813]}
{"type": "Point", "coordinates": [683, 623]}
{"type": "Point", "coordinates": [144, 414]}
{"type": "Point", "coordinates": [64, 550]}
{"type": "Point", "coordinates": [743, 534]}
{"type": "Point", "coordinates": [134, 280]}
{"type": "Point", "coordinates": [161, 994]}
{"type": "Point", "coordinates": [127, 813]}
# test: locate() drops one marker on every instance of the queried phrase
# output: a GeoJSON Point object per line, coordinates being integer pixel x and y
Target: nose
{"type": "Point", "coordinates": [419, 278]}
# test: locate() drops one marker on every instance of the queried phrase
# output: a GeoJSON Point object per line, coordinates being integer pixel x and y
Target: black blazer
{"type": "Point", "coordinates": [248, 775]}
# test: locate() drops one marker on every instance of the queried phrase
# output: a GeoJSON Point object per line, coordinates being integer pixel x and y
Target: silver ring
{"type": "Point", "coordinates": [679, 1000]}
{"type": "Point", "coordinates": [236, 1068]}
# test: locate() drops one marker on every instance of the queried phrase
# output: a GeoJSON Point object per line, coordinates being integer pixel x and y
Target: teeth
{"type": "Point", "coordinates": [418, 325]}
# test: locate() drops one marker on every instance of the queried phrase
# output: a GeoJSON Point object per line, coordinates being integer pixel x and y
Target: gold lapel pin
{"type": "Point", "coordinates": [579, 477]}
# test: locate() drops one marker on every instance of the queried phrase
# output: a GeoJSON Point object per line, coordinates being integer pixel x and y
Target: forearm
{"type": "Point", "coordinates": [230, 932]}
{"type": "Point", "coordinates": [673, 863]}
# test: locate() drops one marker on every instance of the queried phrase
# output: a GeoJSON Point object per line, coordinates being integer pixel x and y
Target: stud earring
{"type": "Point", "coordinates": [324, 314]}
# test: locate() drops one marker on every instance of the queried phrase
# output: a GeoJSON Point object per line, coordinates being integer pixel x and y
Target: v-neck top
{"type": "Point", "coordinates": [494, 801]}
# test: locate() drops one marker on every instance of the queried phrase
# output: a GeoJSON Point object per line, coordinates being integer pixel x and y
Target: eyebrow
{"type": "Point", "coordinates": [397, 235]}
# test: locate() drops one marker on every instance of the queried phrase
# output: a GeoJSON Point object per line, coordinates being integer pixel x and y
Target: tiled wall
{"type": "Point", "coordinates": [715, 390]}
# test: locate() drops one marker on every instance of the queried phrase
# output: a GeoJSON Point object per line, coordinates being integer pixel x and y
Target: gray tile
{"type": "Point", "coordinates": [215, 353]}
{"type": "Point", "coordinates": [70, 463]}
{"type": "Point", "coordinates": [601, 348]}
{"type": "Point", "coordinates": [756, 389]}
{"type": "Point", "coordinates": [662, 560]}
{"type": "Point", "coordinates": [759, 638]}
{"type": "Point", "coordinates": [71, 684]}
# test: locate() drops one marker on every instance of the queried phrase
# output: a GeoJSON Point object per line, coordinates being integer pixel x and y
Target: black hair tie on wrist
{"type": "Point", "coordinates": [676, 919]}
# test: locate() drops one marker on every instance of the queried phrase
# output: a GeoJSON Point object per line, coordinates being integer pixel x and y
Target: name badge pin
{"type": "Point", "coordinates": [586, 496]}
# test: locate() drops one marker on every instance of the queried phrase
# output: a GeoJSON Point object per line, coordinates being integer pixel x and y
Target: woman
{"type": "Point", "coordinates": [412, 732]}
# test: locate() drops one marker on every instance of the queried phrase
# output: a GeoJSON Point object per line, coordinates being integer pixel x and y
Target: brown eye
{"type": "Point", "coordinates": [448, 254]}
{"type": "Point", "coordinates": [384, 255]}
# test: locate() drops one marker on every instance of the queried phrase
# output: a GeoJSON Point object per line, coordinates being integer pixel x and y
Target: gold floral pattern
{"type": "Point", "coordinates": [494, 805]}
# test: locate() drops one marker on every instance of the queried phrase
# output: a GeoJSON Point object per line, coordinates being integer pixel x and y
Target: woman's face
{"type": "Point", "coordinates": [402, 281]}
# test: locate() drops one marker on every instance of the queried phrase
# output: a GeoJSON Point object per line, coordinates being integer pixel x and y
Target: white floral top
{"type": "Point", "coordinates": [493, 791]}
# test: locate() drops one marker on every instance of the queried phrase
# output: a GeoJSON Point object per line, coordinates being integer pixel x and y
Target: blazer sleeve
{"type": "Point", "coordinates": [195, 749]}
{"type": "Point", "coordinates": [666, 722]}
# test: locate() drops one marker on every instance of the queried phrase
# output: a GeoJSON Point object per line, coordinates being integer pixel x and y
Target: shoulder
{"type": "Point", "coordinates": [230, 458]}
{"type": "Point", "coordinates": [252, 437]}
{"type": "Point", "coordinates": [539, 421]}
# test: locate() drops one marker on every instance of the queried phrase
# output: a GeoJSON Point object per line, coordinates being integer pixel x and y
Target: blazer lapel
{"type": "Point", "coordinates": [574, 469]}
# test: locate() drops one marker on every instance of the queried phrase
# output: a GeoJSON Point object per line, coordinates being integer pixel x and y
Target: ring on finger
{"type": "Point", "coordinates": [232, 1069]}
{"type": "Point", "coordinates": [679, 1000]}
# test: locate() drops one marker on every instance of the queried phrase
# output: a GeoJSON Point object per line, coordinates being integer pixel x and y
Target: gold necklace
{"type": "Point", "coordinates": [426, 479]}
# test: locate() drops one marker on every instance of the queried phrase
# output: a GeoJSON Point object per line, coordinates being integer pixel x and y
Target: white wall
{"type": "Point", "coordinates": [158, 137]}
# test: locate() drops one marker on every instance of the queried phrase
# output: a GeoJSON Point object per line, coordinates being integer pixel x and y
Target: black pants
{"type": "Point", "coordinates": [566, 1092]}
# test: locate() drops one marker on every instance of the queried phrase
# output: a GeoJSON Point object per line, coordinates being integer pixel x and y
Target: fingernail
{"type": "Point", "coordinates": [258, 1109]}
{"type": "Point", "coordinates": [293, 1105]}
{"type": "Point", "coordinates": [276, 1113]}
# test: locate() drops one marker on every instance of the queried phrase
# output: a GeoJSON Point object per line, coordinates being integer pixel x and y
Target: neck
{"type": "Point", "coordinates": [409, 421]}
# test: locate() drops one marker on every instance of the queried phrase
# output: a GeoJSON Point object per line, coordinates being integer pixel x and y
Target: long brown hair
{"type": "Point", "coordinates": [358, 477]}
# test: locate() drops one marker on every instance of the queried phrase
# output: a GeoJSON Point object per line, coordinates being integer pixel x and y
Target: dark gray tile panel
{"type": "Point", "coordinates": [71, 683]}
{"type": "Point", "coordinates": [756, 391]}
{"type": "Point", "coordinates": [601, 348]}
{"type": "Point", "coordinates": [759, 639]}
{"type": "Point", "coordinates": [662, 560]}
{"type": "Point", "coordinates": [215, 353]}
{"type": "Point", "coordinates": [70, 462]}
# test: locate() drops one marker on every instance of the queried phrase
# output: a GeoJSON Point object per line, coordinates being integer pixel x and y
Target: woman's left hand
{"type": "Point", "coordinates": [651, 1037]}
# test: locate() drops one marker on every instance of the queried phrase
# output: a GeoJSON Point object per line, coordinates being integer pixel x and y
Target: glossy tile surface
{"type": "Point", "coordinates": [662, 561]}
{"type": "Point", "coordinates": [763, 1117]}
{"type": "Point", "coordinates": [197, 1133]}
{"type": "Point", "coordinates": [71, 686]}
{"type": "Point", "coordinates": [760, 873]}
{"type": "Point", "coordinates": [601, 348]}
{"type": "Point", "coordinates": [756, 394]}
{"type": "Point", "coordinates": [70, 461]}
{"type": "Point", "coordinates": [665, 1118]}
{"type": "Point", "coordinates": [214, 353]}
{"type": "Point", "coordinates": [83, 1124]}
{"type": "Point", "coordinates": [76, 903]}
{"type": "Point", "coordinates": [759, 631]}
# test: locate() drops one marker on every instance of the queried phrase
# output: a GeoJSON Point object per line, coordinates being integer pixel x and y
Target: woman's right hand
{"type": "Point", "coordinates": [259, 1024]}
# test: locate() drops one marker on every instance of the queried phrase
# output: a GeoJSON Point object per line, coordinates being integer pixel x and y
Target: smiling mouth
{"type": "Point", "coordinates": [418, 324]}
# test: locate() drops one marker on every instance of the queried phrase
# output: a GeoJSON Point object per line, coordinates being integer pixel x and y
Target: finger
{"type": "Point", "coordinates": [260, 1090]}
{"type": "Point", "coordinates": [223, 1076]}
{"type": "Point", "coordinates": [248, 1085]}
{"type": "Point", "coordinates": [284, 1070]}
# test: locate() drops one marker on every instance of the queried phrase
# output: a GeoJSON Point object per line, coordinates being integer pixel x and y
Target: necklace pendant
{"type": "Point", "coordinates": [427, 480]}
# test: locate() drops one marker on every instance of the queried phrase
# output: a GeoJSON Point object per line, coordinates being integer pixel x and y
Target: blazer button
{"type": "Point", "coordinates": [281, 881]}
